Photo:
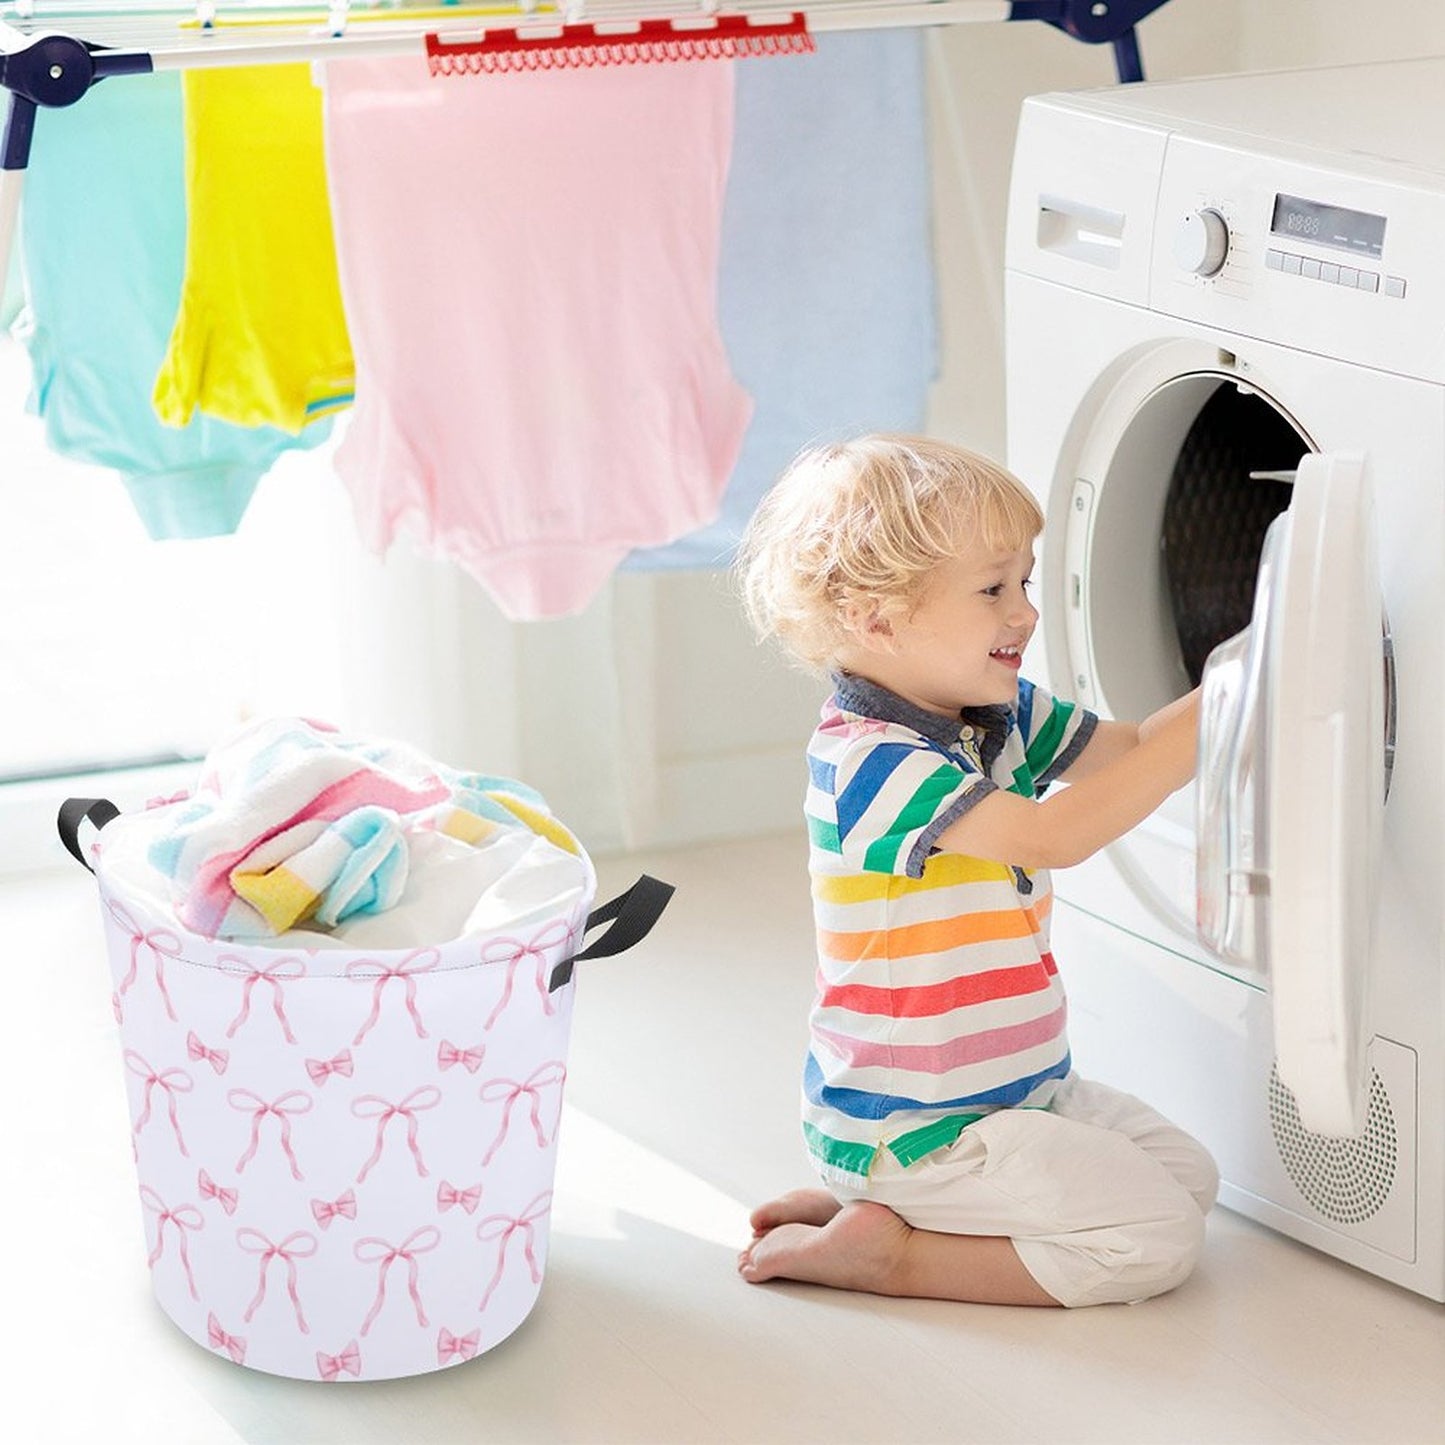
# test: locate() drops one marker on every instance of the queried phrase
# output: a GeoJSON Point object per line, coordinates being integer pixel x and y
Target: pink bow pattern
{"type": "Point", "coordinates": [298, 1245]}
{"type": "Point", "coordinates": [282, 1108]}
{"type": "Point", "coordinates": [170, 1082]}
{"type": "Point", "coordinates": [187, 1216]}
{"type": "Point", "coordinates": [514, 1242]}
{"type": "Point", "coordinates": [379, 1251]}
{"type": "Point", "coordinates": [199, 1053]}
{"type": "Point", "coordinates": [449, 1197]}
{"type": "Point", "coordinates": [342, 1207]}
{"type": "Point", "coordinates": [162, 943]}
{"type": "Point", "coordinates": [423, 960]}
{"type": "Point", "coordinates": [322, 1069]}
{"type": "Point", "coordinates": [233, 1345]}
{"type": "Point", "coordinates": [502, 1227]}
{"type": "Point", "coordinates": [373, 1106]}
{"type": "Point", "coordinates": [456, 1347]}
{"type": "Point", "coordinates": [512, 951]}
{"type": "Point", "coordinates": [276, 976]}
{"type": "Point", "coordinates": [228, 1199]}
{"type": "Point", "coordinates": [348, 1362]}
{"type": "Point", "coordinates": [448, 1055]}
{"type": "Point", "coordinates": [509, 1091]}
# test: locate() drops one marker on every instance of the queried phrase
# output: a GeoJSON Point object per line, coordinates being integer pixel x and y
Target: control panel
{"type": "Point", "coordinates": [1313, 269]}
{"type": "Point", "coordinates": [1272, 243]}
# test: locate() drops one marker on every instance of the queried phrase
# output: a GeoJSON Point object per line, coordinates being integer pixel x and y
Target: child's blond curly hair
{"type": "Point", "coordinates": [854, 529]}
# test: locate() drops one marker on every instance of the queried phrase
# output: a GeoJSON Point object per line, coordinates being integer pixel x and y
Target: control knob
{"type": "Point", "coordinates": [1201, 242]}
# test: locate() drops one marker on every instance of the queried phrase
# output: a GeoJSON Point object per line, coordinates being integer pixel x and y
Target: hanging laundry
{"type": "Point", "coordinates": [529, 264]}
{"type": "Point", "coordinates": [826, 288]}
{"type": "Point", "coordinates": [260, 339]}
{"type": "Point", "coordinates": [102, 236]}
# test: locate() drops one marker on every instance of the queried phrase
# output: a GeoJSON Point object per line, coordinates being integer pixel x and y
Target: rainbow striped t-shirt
{"type": "Point", "coordinates": [938, 1000]}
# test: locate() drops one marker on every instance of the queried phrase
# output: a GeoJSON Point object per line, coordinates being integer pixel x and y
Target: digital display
{"type": "Point", "coordinates": [1355, 231]}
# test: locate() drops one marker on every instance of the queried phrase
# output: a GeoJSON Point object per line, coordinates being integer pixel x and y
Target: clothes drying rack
{"type": "Point", "coordinates": [51, 54]}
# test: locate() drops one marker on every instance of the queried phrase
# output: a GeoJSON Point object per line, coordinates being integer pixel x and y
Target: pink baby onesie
{"type": "Point", "coordinates": [529, 266]}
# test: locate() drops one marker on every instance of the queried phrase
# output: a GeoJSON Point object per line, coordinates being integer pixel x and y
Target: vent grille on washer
{"type": "Point", "coordinates": [1346, 1180]}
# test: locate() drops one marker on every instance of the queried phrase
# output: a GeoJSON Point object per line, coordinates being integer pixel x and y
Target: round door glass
{"type": "Point", "coordinates": [1229, 483]}
{"type": "Point", "coordinates": [1170, 538]}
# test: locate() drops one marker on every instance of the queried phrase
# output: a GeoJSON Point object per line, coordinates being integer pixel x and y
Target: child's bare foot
{"type": "Point", "coordinates": [797, 1206]}
{"type": "Point", "coordinates": [807, 1235]}
{"type": "Point", "coordinates": [856, 1246]}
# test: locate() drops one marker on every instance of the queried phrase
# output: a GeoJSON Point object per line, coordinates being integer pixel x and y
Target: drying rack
{"type": "Point", "coordinates": [51, 54]}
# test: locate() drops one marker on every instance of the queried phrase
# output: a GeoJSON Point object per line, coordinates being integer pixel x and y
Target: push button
{"type": "Point", "coordinates": [1291, 264]}
{"type": "Point", "coordinates": [1349, 276]}
{"type": "Point", "coordinates": [1329, 272]}
{"type": "Point", "coordinates": [1394, 285]}
{"type": "Point", "coordinates": [1274, 260]}
{"type": "Point", "coordinates": [1369, 281]}
{"type": "Point", "coordinates": [1310, 267]}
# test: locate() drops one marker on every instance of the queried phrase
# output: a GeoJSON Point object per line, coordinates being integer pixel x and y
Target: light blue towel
{"type": "Point", "coordinates": [102, 239]}
{"type": "Point", "coordinates": [826, 286]}
{"type": "Point", "coordinates": [11, 293]}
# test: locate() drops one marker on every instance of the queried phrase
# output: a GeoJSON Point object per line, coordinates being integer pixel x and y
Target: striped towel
{"type": "Point", "coordinates": [292, 822]}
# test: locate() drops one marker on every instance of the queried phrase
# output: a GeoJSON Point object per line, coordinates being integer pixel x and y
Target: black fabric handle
{"type": "Point", "coordinates": [74, 812]}
{"type": "Point", "coordinates": [635, 913]}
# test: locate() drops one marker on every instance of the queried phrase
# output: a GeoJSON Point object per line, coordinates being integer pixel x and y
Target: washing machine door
{"type": "Point", "coordinates": [1291, 787]}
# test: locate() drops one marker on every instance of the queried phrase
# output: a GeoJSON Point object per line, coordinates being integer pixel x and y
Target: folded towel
{"type": "Point", "coordinates": [292, 822]}
{"type": "Point", "coordinates": [358, 864]}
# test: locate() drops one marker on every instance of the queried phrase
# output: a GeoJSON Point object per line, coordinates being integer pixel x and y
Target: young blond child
{"type": "Point", "coordinates": [963, 1157]}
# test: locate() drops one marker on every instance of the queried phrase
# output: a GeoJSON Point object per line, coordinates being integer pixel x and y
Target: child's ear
{"type": "Point", "coordinates": [868, 627]}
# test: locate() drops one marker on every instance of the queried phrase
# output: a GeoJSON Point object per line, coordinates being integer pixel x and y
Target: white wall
{"type": "Point", "coordinates": [1285, 34]}
{"type": "Point", "coordinates": [654, 718]}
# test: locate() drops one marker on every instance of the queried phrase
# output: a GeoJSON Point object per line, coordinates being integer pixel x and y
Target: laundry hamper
{"type": "Point", "coordinates": [345, 1157]}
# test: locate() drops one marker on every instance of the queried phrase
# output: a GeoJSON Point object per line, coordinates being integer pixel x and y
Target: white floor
{"type": "Point", "coordinates": [681, 1114]}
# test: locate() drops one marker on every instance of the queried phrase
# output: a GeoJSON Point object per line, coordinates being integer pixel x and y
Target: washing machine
{"type": "Point", "coordinates": [1226, 386]}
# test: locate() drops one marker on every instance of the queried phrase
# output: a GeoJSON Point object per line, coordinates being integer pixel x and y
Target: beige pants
{"type": "Point", "coordinates": [1103, 1197]}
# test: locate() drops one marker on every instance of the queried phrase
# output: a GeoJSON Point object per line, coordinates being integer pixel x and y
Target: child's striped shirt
{"type": "Point", "coordinates": [938, 1000]}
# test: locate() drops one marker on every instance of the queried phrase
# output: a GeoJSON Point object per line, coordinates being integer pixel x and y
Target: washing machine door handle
{"type": "Point", "coordinates": [1322, 692]}
{"type": "Point", "coordinates": [1231, 801]}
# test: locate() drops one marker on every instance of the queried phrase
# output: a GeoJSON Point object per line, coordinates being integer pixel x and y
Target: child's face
{"type": "Point", "coordinates": [963, 643]}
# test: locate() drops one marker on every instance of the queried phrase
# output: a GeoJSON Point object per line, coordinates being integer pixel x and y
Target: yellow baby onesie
{"type": "Point", "coordinates": [260, 338]}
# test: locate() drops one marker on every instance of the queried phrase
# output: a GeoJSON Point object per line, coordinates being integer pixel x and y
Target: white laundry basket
{"type": "Point", "coordinates": [345, 1158]}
